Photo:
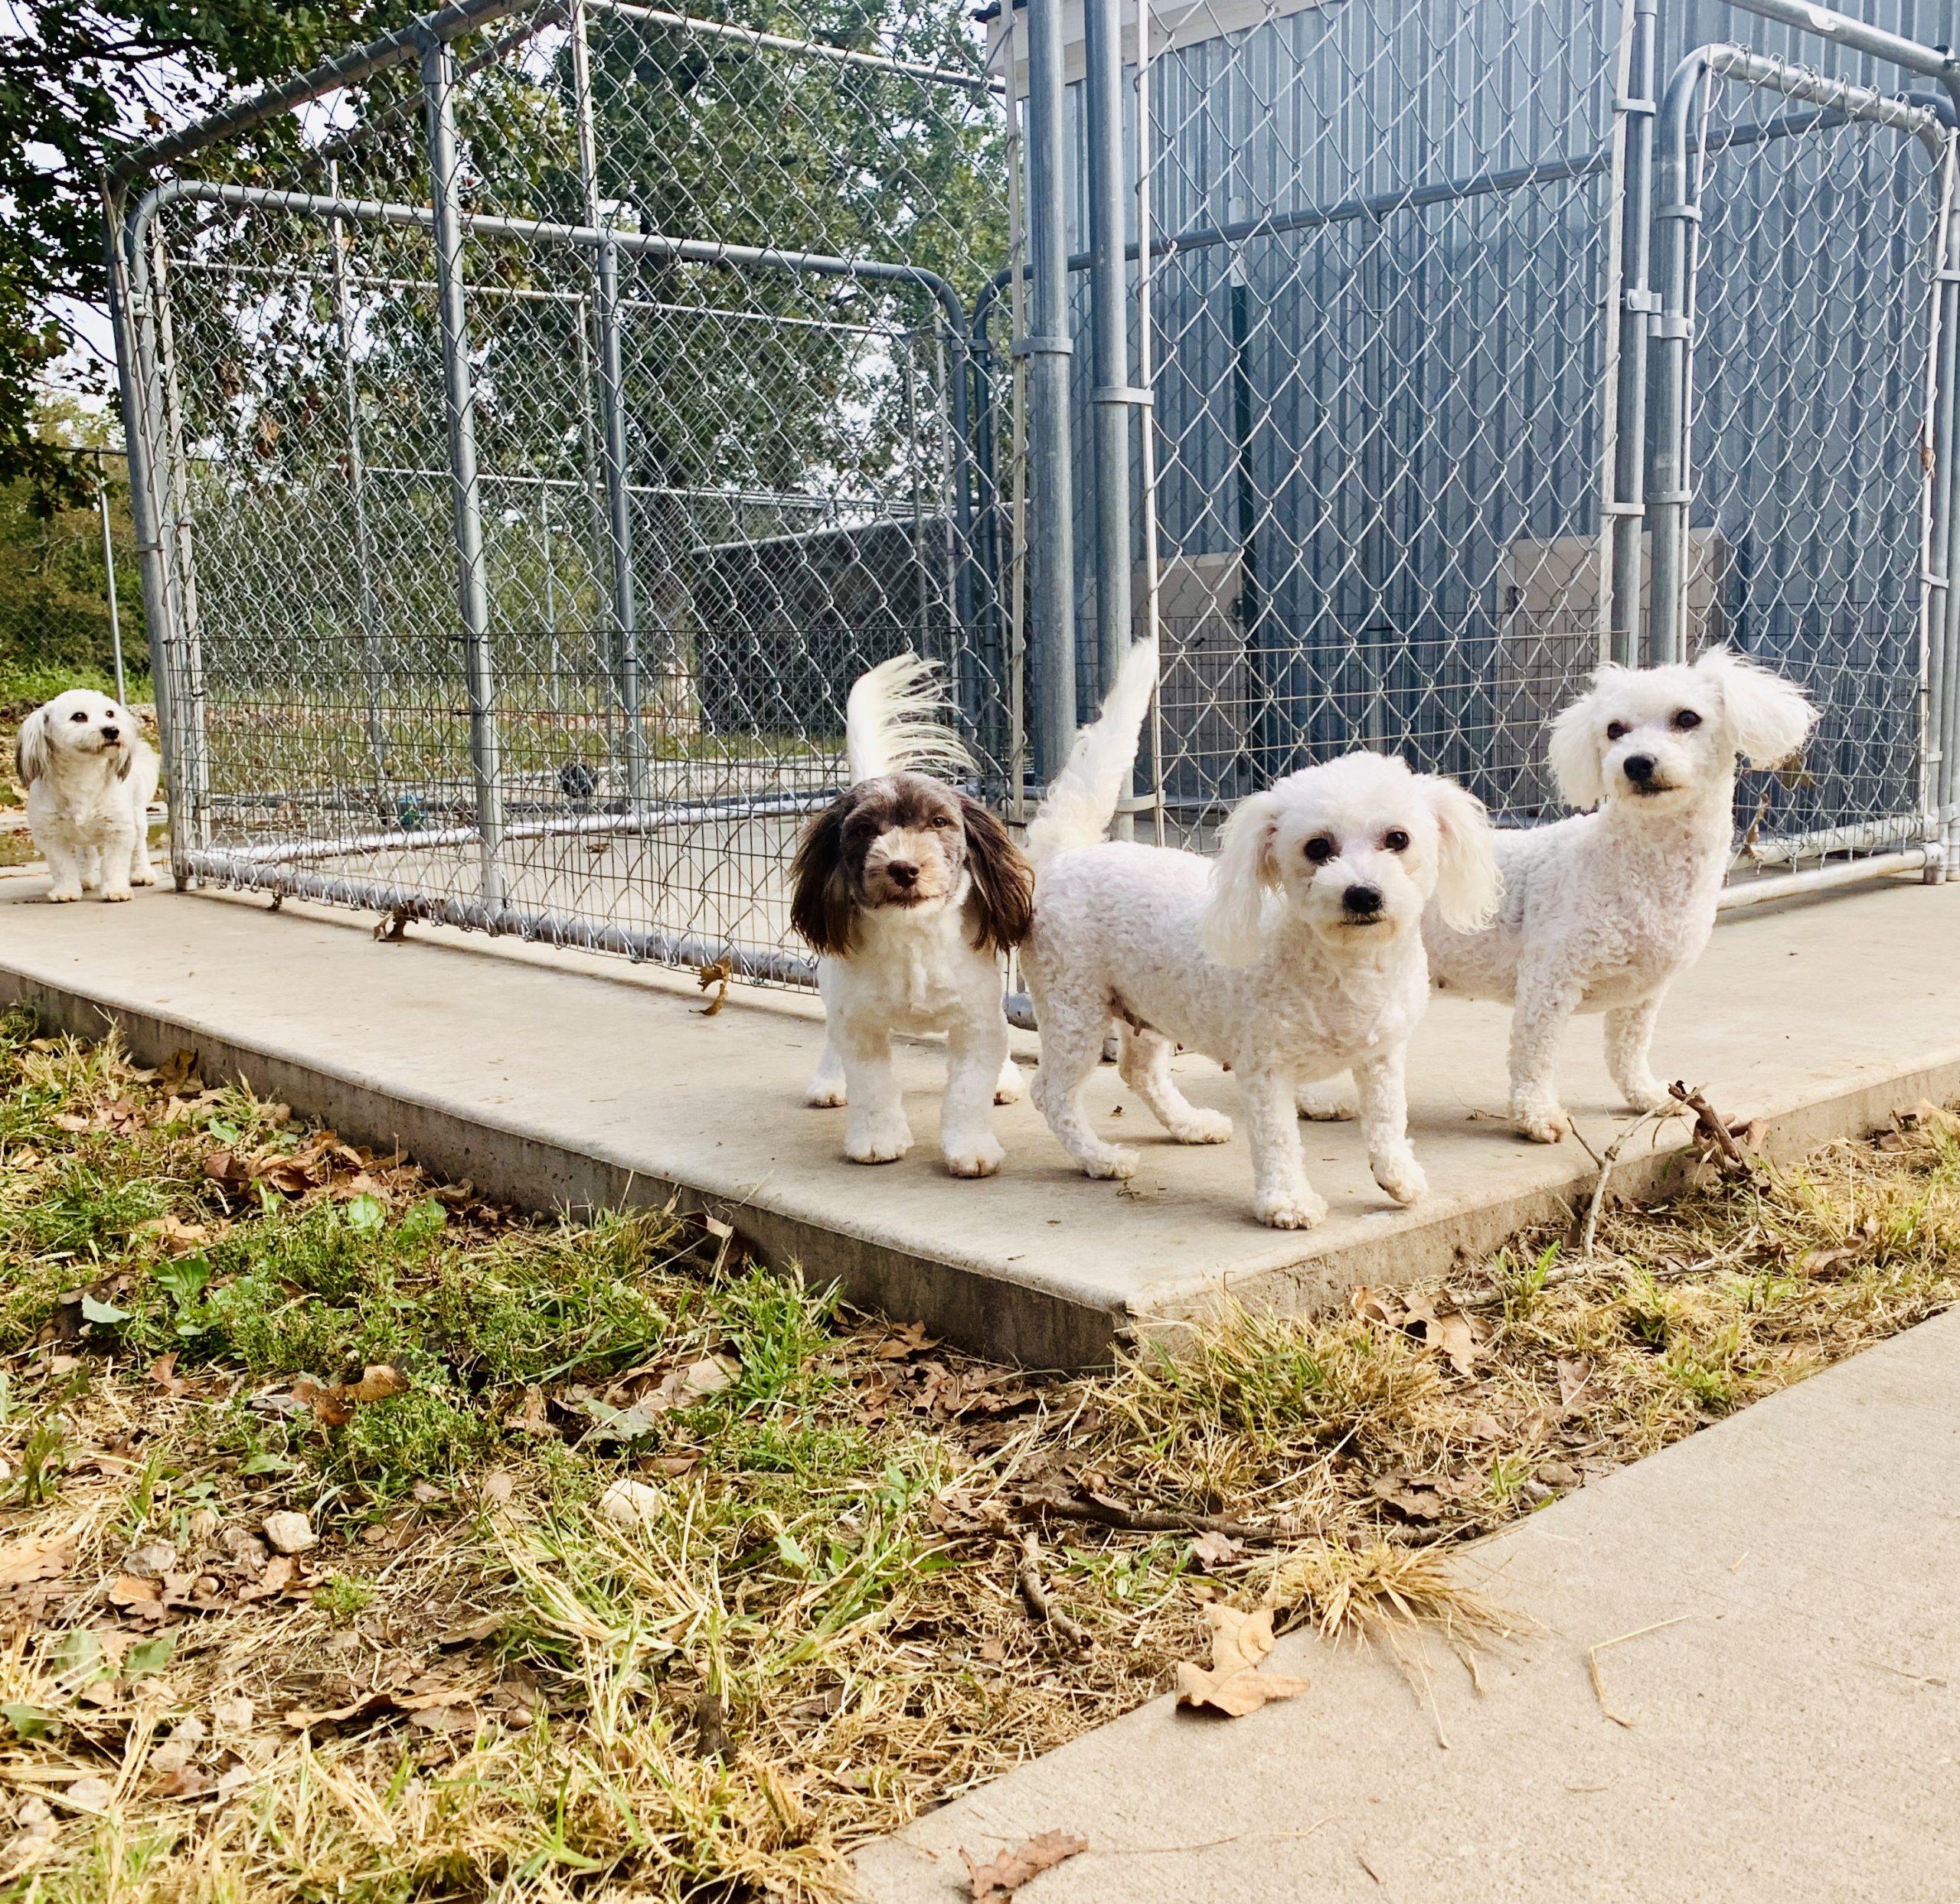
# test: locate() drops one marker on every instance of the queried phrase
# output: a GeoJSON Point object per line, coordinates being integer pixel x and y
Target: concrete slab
{"type": "Point", "coordinates": [553, 1078]}
{"type": "Point", "coordinates": [1794, 1736]}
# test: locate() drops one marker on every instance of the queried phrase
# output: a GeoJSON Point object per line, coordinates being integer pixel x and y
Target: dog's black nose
{"type": "Point", "coordinates": [1639, 769]}
{"type": "Point", "coordinates": [901, 873]}
{"type": "Point", "coordinates": [1362, 900]}
{"type": "Point", "coordinates": [109, 733]}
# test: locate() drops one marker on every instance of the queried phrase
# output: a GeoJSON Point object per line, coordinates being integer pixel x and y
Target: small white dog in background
{"type": "Point", "coordinates": [90, 777]}
{"type": "Point", "coordinates": [1602, 912]}
{"type": "Point", "coordinates": [911, 893]}
{"type": "Point", "coordinates": [1297, 955]}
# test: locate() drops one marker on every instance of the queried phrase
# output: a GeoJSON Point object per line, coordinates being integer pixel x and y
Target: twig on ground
{"type": "Point", "coordinates": [1112, 1513]}
{"type": "Point", "coordinates": [1589, 1234]}
{"type": "Point", "coordinates": [1620, 1639]}
{"type": "Point", "coordinates": [1040, 1606]}
{"type": "Point", "coordinates": [1713, 1127]}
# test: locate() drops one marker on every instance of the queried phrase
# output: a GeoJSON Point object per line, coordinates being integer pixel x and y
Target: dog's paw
{"type": "Point", "coordinates": [1323, 1104]}
{"type": "Point", "coordinates": [824, 1097]}
{"type": "Point", "coordinates": [1117, 1161]}
{"type": "Point", "coordinates": [881, 1143]}
{"type": "Point", "coordinates": [980, 1158]}
{"type": "Point", "coordinates": [1541, 1123]}
{"type": "Point", "coordinates": [1202, 1126]}
{"type": "Point", "coordinates": [1401, 1176]}
{"type": "Point", "coordinates": [116, 895]}
{"type": "Point", "coordinates": [1652, 1096]}
{"type": "Point", "coordinates": [63, 895]}
{"type": "Point", "coordinates": [1007, 1086]}
{"type": "Point", "coordinates": [144, 877]}
{"type": "Point", "coordinates": [1300, 1209]}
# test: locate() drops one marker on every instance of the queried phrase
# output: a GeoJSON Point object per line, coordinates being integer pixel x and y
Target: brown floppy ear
{"type": "Point", "coordinates": [125, 766]}
{"type": "Point", "coordinates": [1001, 907]}
{"type": "Point", "coordinates": [822, 907]}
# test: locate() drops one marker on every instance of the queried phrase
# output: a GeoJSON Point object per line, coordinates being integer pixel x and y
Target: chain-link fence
{"type": "Point", "coordinates": [542, 415]}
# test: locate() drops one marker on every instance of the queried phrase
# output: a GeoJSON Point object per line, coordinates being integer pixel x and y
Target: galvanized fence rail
{"type": "Point", "coordinates": [538, 417]}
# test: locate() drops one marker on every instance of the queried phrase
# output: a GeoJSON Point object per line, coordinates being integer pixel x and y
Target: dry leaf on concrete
{"type": "Point", "coordinates": [1002, 1876]}
{"type": "Point", "coordinates": [1233, 1685]}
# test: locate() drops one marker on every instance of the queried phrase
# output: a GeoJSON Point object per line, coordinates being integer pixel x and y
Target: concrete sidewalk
{"type": "Point", "coordinates": [1794, 1736]}
{"type": "Point", "coordinates": [550, 1078]}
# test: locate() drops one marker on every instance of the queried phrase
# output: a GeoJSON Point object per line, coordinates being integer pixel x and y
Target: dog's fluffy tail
{"type": "Point", "coordinates": [1082, 800]}
{"type": "Point", "coordinates": [890, 723]}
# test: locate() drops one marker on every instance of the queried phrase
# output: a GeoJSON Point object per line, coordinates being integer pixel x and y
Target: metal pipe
{"type": "Point", "coordinates": [1051, 472]}
{"type": "Point", "coordinates": [1110, 396]}
{"type": "Point", "coordinates": [1936, 62]}
{"type": "Point", "coordinates": [1626, 502]}
{"type": "Point", "coordinates": [649, 244]}
{"type": "Point", "coordinates": [619, 521]}
{"type": "Point", "coordinates": [109, 574]}
{"type": "Point", "coordinates": [1822, 879]}
{"type": "Point", "coordinates": [459, 396]}
{"type": "Point", "coordinates": [368, 608]}
{"type": "Point", "coordinates": [1146, 377]}
{"type": "Point", "coordinates": [535, 928]}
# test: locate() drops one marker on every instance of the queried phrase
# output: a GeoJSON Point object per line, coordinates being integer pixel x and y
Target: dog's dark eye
{"type": "Point", "coordinates": [1614, 729]}
{"type": "Point", "coordinates": [78, 717]}
{"type": "Point", "coordinates": [943, 819]}
{"type": "Point", "coordinates": [1320, 849]}
{"type": "Point", "coordinates": [1687, 718]}
{"type": "Point", "coordinates": [1396, 840]}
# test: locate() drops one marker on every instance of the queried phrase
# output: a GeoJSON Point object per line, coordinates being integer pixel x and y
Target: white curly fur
{"type": "Point", "coordinates": [1601, 911]}
{"type": "Point", "coordinates": [1256, 960]}
{"type": "Point", "coordinates": [889, 724]}
{"type": "Point", "coordinates": [90, 777]}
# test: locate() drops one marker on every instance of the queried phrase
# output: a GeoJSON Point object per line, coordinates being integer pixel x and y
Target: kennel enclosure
{"type": "Point", "coordinates": [539, 416]}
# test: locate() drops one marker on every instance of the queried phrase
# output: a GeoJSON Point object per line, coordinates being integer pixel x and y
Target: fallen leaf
{"type": "Point", "coordinates": [163, 1372]}
{"type": "Point", "coordinates": [1214, 1549]}
{"type": "Point", "coordinates": [428, 1493]}
{"type": "Point", "coordinates": [531, 1418]}
{"type": "Point", "coordinates": [630, 1503]}
{"type": "Point", "coordinates": [1484, 1427]}
{"type": "Point", "coordinates": [1233, 1685]}
{"type": "Point", "coordinates": [26, 1561]}
{"type": "Point", "coordinates": [474, 1630]}
{"type": "Point", "coordinates": [1572, 1377]}
{"type": "Point", "coordinates": [1005, 1873]}
{"type": "Point", "coordinates": [1414, 1500]}
{"type": "Point", "coordinates": [497, 1487]}
{"type": "Point", "coordinates": [333, 1405]}
{"type": "Point", "coordinates": [128, 1590]}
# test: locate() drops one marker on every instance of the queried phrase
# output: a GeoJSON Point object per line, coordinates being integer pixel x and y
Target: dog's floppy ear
{"type": "Point", "coordinates": [1573, 755]}
{"type": "Point", "coordinates": [1468, 884]}
{"type": "Point", "coordinates": [127, 762]}
{"type": "Point", "coordinates": [1241, 875]}
{"type": "Point", "coordinates": [30, 748]}
{"type": "Point", "coordinates": [821, 905]}
{"type": "Point", "coordinates": [1769, 717]}
{"type": "Point", "coordinates": [1000, 906]}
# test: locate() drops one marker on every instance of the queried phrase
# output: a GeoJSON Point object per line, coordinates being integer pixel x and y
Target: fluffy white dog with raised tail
{"type": "Point", "coordinates": [1297, 955]}
{"type": "Point", "coordinates": [1601, 911]}
{"type": "Point", "coordinates": [90, 777]}
{"type": "Point", "coordinates": [911, 893]}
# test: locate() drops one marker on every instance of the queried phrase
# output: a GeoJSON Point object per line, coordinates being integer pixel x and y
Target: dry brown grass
{"type": "Point", "coordinates": [477, 1686]}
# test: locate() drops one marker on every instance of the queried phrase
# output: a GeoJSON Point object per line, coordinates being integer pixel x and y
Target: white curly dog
{"type": "Point", "coordinates": [1296, 955]}
{"type": "Point", "coordinates": [90, 777]}
{"type": "Point", "coordinates": [912, 894]}
{"type": "Point", "coordinates": [1602, 912]}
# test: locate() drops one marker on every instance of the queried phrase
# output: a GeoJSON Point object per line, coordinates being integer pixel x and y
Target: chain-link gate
{"type": "Point", "coordinates": [645, 358]}
{"type": "Point", "coordinates": [539, 417]}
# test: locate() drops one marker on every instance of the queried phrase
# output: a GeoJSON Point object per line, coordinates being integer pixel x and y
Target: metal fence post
{"type": "Point", "coordinates": [1626, 504]}
{"type": "Point", "coordinates": [1110, 395]}
{"type": "Point", "coordinates": [368, 608]}
{"type": "Point", "coordinates": [439, 83]}
{"type": "Point", "coordinates": [108, 572]}
{"type": "Point", "coordinates": [1051, 496]}
{"type": "Point", "coordinates": [613, 454]}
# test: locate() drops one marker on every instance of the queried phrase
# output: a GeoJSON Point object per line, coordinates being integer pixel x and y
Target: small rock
{"type": "Point", "coordinates": [32, 1811]}
{"type": "Point", "coordinates": [291, 1532]}
{"type": "Point", "coordinates": [202, 1527]}
{"type": "Point", "coordinates": [187, 1731]}
{"type": "Point", "coordinates": [1536, 1492]}
{"type": "Point", "coordinates": [151, 1562]}
{"type": "Point", "coordinates": [631, 1503]}
{"type": "Point", "coordinates": [90, 1795]}
{"type": "Point", "coordinates": [172, 1755]}
{"type": "Point", "coordinates": [248, 1549]}
{"type": "Point", "coordinates": [1556, 1473]}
